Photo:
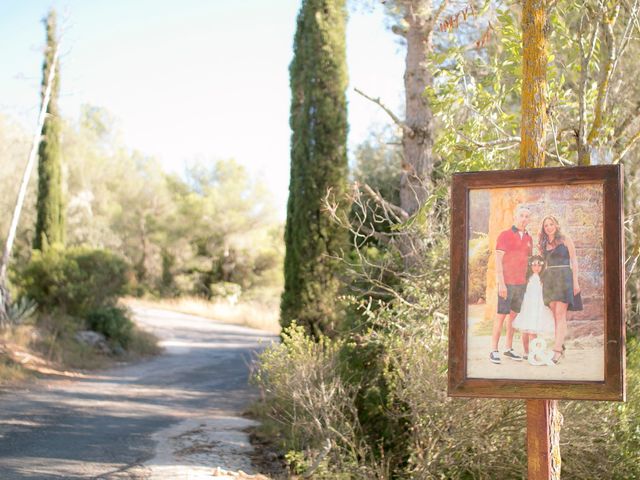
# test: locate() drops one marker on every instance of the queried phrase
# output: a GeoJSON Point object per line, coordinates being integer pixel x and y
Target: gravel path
{"type": "Point", "coordinates": [174, 417]}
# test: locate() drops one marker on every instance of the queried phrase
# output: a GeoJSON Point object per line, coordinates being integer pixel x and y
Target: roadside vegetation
{"type": "Point", "coordinates": [103, 227]}
{"type": "Point", "coordinates": [135, 236]}
{"type": "Point", "coordinates": [367, 397]}
{"type": "Point", "coordinates": [261, 313]}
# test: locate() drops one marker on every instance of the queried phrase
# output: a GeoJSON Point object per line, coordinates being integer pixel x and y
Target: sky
{"type": "Point", "coordinates": [191, 79]}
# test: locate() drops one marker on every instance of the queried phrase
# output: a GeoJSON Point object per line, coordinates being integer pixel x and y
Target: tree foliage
{"type": "Point", "coordinates": [182, 234]}
{"type": "Point", "coordinates": [318, 121]}
{"type": "Point", "coordinates": [73, 281]}
{"type": "Point", "coordinates": [50, 222]}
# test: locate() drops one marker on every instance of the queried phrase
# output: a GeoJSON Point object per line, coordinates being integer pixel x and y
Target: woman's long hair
{"type": "Point", "coordinates": [543, 239]}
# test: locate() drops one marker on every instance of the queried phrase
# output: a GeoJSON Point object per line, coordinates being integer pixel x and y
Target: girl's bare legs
{"type": "Point", "coordinates": [526, 339]}
{"type": "Point", "coordinates": [559, 310]}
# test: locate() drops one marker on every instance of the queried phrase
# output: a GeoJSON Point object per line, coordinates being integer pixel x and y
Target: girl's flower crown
{"type": "Point", "coordinates": [536, 260]}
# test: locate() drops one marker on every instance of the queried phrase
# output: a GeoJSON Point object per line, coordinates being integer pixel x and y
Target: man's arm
{"type": "Point", "coordinates": [502, 288]}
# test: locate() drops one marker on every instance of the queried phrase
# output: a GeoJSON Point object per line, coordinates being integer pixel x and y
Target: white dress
{"type": "Point", "coordinates": [534, 316]}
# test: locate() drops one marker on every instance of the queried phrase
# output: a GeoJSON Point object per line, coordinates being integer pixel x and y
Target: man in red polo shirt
{"type": "Point", "coordinates": [513, 248]}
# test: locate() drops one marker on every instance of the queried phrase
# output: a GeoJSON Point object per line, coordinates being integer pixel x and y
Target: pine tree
{"type": "Point", "coordinates": [50, 222]}
{"type": "Point", "coordinates": [318, 78]}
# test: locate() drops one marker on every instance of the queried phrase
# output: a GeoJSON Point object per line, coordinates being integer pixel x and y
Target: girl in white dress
{"type": "Point", "coordinates": [535, 317]}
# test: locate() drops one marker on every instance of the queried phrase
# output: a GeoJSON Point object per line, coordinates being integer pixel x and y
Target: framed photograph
{"type": "Point", "coordinates": [537, 284]}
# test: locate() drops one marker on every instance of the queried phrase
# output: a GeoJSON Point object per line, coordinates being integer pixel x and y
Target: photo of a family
{"type": "Point", "coordinates": [535, 294]}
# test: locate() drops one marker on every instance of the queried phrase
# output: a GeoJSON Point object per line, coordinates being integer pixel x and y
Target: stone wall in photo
{"type": "Point", "coordinates": [579, 209]}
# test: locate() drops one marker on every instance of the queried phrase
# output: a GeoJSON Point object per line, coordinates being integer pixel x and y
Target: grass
{"type": "Point", "coordinates": [51, 348]}
{"type": "Point", "coordinates": [12, 372]}
{"type": "Point", "coordinates": [142, 344]}
{"type": "Point", "coordinates": [266, 441]}
{"type": "Point", "coordinates": [258, 314]}
{"type": "Point", "coordinates": [69, 353]}
{"type": "Point", "coordinates": [12, 368]}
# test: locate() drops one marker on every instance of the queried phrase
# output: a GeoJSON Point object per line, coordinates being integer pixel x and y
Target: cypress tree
{"type": "Point", "coordinates": [50, 222]}
{"type": "Point", "coordinates": [318, 78]}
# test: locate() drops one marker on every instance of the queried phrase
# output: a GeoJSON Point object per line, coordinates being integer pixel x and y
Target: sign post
{"type": "Point", "coordinates": [541, 439]}
{"type": "Point", "coordinates": [572, 251]}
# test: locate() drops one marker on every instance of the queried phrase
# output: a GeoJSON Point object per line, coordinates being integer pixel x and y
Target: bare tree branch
{"type": "Point", "coordinates": [439, 12]}
{"type": "Point", "coordinates": [510, 140]}
{"type": "Point", "coordinates": [367, 223]}
{"type": "Point", "coordinates": [628, 147]}
{"type": "Point", "coordinates": [626, 36]}
{"type": "Point", "coordinates": [405, 128]}
{"type": "Point", "coordinates": [586, 57]}
{"type": "Point", "coordinates": [607, 22]}
{"type": "Point", "coordinates": [399, 213]}
{"type": "Point", "coordinates": [487, 118]}
{"type": "Point", "coordinates": [621, 129]}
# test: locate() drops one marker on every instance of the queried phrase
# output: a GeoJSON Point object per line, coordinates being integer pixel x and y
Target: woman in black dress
{"type": "Point", "coordinates": [560, 287]}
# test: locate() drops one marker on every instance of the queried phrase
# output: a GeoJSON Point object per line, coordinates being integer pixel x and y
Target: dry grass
{"type": "Point", "coordinates": [12, 372]}
{"type": "Point", "coordinates": [26, 351]}
{"type": "Point", "coordinates": [142, 344]}
{"type": "Point", "coordinates": [69, 353]}
{"type": "Point", "coordinates": [262, 315]}
{"type": "Point", "coordinates": [16, 360]}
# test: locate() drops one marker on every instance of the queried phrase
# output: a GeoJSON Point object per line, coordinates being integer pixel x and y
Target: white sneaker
{"type": "Point", "coordinates": [494, 357]}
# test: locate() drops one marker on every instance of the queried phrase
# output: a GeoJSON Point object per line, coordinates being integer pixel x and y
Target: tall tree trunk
{"type": "Point", "coordinates": [417, 139]}
{"type": "Point", "coordinates": [141, 267]}
{"type": "Point", "coordinates": [5, 298]}
{"type": "Point", "coordinates": [543, 417]}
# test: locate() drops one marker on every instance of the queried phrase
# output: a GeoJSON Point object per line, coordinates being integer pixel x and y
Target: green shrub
{"type": "Point", "coordinates": [603, 438]}
{"type": "Point", "coordinates": [113, 322]}
{"type": "Point", "coordinates": [74, 281]}
{"type": "Point", "coordinates": [381, 399]}
{"type": "Point", "coordinates": [225, 291]}
{"type": "Point", "coordinates": [306, 399]}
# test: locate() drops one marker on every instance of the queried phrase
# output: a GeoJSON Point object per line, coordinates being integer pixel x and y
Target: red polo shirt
{"type": "Point", "coordinates": [516, 255]}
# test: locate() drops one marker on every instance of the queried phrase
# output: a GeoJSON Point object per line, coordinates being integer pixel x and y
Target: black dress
{"type": "Point", "coordinates": [557, 278]}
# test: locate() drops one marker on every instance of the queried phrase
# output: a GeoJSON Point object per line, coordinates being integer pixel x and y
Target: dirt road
{"type": "Point", "coordinates": [174, 417]}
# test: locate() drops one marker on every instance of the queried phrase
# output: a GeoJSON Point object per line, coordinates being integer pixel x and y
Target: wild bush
{"type": "Point", "coordinates": [448, 438]}
{"type": "Point", "coordinates": [113, 322]}
{"type": "Point", "coordinates": [602, 439]}
{"type": "Point", "coordinates": [313, 408]}
{"type": "Point", "coordinates": [314, 394]}
{"type": "Point", "coordinates": [73, 281]}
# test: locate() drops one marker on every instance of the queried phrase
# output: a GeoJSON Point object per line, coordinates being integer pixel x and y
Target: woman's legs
{"type": "Point", "coordinates": [559, 310]}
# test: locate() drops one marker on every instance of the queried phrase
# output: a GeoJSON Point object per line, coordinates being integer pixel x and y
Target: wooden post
{"type": "Point", "coordinates": [543, 417]}
{"type": "Point", "coordinates": [543, 439]}
{"type": "Point", "coordinates": [534, 84]}
{"type": "Point", "coordinates": [538, 439]}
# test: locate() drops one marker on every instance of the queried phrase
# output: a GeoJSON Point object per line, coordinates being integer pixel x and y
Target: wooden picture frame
{"type": "Point", "coordinates": [590, 201]}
